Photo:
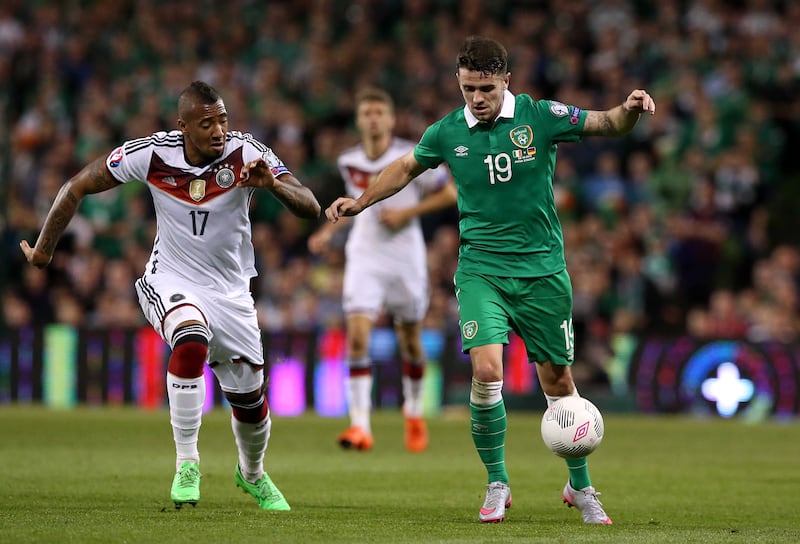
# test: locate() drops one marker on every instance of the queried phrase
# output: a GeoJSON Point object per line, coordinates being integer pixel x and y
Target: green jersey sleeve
{"type": "Point", "coordinates": [427, 152]}
{"type": "Point", "coordinates": [565, 122]}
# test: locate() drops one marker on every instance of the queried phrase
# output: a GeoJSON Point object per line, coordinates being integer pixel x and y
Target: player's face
{"type": "Point", "coordinates": [483, 93]}
{"type": "Point", "coordinates": [374, 119]}
{"type": "Point", "coordinates": [204, 128]}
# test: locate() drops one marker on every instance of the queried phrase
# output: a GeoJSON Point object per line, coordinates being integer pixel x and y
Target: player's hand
{"type": "Point", "coordinates": [639, 101]}
{"type": "Point", "coordinates": [394, 219]}
{"type": "Point", "coordinates": [256, 173]}
{"type": "Point", "coordinates": [342, 207]}
{"type": "Point", "coordinates": [35, 257]}
{"type": "Point", "coordinates": [318, 241]}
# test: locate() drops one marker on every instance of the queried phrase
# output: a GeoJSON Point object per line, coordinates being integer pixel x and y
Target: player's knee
{"type": "Point", "coordinates": [357, 346]}
{"type": "Point", "coordinates": [249, 407]}
{"type": "Point", "coordinates": [487, 363]}
{"type": "Point", "coordinates": [486, 371]}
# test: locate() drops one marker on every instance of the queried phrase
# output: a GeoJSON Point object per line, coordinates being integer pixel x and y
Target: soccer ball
{"type": "Point", "coordinates": [572, 427]}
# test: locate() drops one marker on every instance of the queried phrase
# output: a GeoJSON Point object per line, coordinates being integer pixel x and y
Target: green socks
{"type": "Point", "coordinates": [579, 473]}
{"type": "Point", "coordinates": [489, 436]}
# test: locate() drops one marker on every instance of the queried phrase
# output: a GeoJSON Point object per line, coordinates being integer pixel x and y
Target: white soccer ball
{"type": "Point", "coordinates": [572, 427]}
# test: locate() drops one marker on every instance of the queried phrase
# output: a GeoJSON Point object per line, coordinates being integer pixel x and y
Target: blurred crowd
{"type": "Point", "coordinates": [687, 225]}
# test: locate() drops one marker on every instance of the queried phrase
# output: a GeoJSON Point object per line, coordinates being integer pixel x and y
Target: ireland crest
{"type": "Point", "coordinates": [470, 329]}
{"type": "Point", "coordinates": [522, 136]}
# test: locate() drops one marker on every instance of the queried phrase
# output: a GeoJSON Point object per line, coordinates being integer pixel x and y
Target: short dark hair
{"type": "Point", "coordinates": [197, 91]}
{"type": "Point", "coordinates": [374, 94]}
{"type": "Point", "coordinates": [482, 54]}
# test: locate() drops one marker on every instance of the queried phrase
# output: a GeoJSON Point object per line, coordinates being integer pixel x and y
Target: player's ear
{"type": "Point", "coordinates": [181, 124]}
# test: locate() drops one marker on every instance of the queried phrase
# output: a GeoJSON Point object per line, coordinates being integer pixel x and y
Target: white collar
{"type": "Point", "coordinates": [509, 105]}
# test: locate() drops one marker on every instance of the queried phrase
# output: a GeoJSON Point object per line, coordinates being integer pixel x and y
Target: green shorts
{"type": "Point", "coordinates": [539, 310]}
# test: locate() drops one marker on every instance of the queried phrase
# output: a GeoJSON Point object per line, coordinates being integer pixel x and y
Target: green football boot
{"type": "Point", "coordinates": [186, 485]}
{"type": "Point", "coordinates": [267, 495]}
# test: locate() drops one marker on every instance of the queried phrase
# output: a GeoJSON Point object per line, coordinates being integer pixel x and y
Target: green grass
{"type": "Point", "coordinates": [103, 475]}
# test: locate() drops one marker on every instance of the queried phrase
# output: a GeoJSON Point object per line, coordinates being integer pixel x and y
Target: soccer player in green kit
{"type": "Point", "coordinates": [501, 150]}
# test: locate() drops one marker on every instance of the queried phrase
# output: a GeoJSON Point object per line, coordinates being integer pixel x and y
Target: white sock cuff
{"type": "Point", "coordinates": [361, 362]}
{"type": "Point", "coordinates": [485, 393]}
{"type": "Point", "coordinates": [551, 400]}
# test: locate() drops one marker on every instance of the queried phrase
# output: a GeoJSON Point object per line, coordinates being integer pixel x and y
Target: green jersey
{"type": "Point", "coordinates": [504, 175]}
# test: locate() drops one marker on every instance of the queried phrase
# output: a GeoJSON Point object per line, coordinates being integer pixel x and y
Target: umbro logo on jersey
{"type": "Point", "coordinates": [461, 151]}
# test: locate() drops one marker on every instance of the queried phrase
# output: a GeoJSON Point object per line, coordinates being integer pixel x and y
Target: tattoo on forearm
{"type": "Point", "coordinates": [297, 198]}
{"type": "Point", "coordinates": [99, 178]}
{"type": "Point", "coordinates": [94, 178]}
{"type": "Point", "coordinates": [604, 124]}
{"type": "Point", "coordinates": [299, 202]}
{"type": "Point", "coordinates": [57, 220]}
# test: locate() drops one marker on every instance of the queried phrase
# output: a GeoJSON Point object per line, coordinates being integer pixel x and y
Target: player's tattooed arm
{"type": "Point", "coordinates": [94, 178]}
{"type": "Point", "coordinates": [297, 198]}
{"type": "Point", "coordinates": [621, 119]}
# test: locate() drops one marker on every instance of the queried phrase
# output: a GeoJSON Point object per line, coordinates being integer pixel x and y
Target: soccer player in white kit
{"type": "Point", "coordinates": [195, 288]}
{"type": "Point", "coordinates": [385, 267]}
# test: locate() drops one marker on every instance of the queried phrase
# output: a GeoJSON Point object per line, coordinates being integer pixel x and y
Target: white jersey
{"type": "Point", "coordinates": [368, 236]}
{"type": "Point", "coordinates": [386, 269]}
{"type": "Point", "coordinates": [204, 232]}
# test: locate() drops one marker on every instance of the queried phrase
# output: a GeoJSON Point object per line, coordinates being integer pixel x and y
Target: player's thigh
{"type": "Point", "coordinates": [482, 309]}
{"type": "Point", "coordinates": [161, 295]}
{"type": "Point", "coordinates": [543, 318]}
{"type": "Point", "coordinates": [363, 291]}
{"type": "Point", "coordinates": [238, 376]}
{"type": "Point", "coordinates": [235, 326]}
{"type": "Point", "coordinates": [408, 294]}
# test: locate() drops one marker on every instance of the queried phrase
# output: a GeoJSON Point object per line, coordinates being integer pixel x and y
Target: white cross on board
{"type": "Point", "coordinates": [728, 389]}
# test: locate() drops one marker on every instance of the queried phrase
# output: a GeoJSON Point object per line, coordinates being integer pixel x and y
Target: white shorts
{"type": "Point", "coordinates": [231, 318]}
{"type": "Point", "coordinates": [401, 291]}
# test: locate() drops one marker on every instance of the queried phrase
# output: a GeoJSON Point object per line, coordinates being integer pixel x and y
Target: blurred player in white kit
{"type": "Point", "coordinates": [195, 290]}
{"type": "Point", "coordinates": [385, 267]}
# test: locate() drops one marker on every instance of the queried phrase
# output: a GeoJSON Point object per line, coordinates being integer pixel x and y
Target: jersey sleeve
{"type": "Point", "coordinates": [254, 149]}
{"type": "Point", "coordinates": [427, 151]}
{"type": "Point", "coordinates": [565, 121]}
{"type": "Point", "coordinates": [131, 160]}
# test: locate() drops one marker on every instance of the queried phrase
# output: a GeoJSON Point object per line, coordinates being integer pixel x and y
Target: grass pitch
{"type": "Point", "coordinates": [103, 475]}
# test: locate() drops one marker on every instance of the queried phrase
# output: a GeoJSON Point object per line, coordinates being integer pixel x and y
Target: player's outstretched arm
{"type": "Point", "coordinates": [438, 200]}
{"type": "Point", "coordinates": [94, 178]}
{"type": "Point", "coordinates": [621, 119]}
{"type": "Point", "coordinates": [320, 239]}
{"type": "Point", "coordinates": [393, 178]}
{"type": "Point", "coordinates": [295, 196]}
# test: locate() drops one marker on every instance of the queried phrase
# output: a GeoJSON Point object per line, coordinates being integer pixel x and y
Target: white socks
{"type": "Point", "coordinates": [551, 400]}
{"type": "Point", "coordinates": [359, 401]}
{"type": "Point", "coordinates": [251, 441]}
{"type": "Point", "coordinates": [186, 398]}
{"type": "Point", "coordinates": [412, 397]}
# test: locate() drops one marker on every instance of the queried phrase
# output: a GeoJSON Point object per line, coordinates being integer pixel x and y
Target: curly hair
{"type": "Point", "coordinates": [481, 54]}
